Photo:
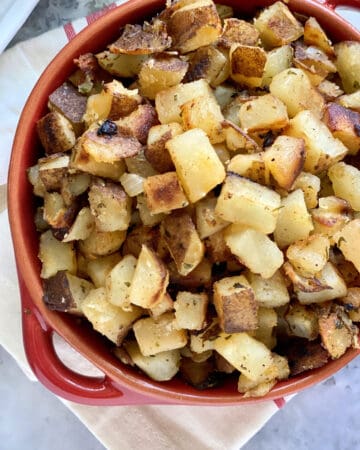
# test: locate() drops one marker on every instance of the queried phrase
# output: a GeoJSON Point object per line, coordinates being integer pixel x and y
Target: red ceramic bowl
{"type": "Point", "coordinates": [120, 384]}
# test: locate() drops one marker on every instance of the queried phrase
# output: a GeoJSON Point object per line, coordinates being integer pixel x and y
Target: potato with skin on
{"type": "Point", "coordinates": [138, 123]}
{"type": "Point", "coordinates": [55, 133]}
{"type": "Point", "coordinates": [99, 268]}
{"type": "Point", "coordinates": [236, 138]}
{"type": "Point", "coordinates": [237, 31]}
{"type": "Point", "coordinates": [198, 167]}
{"type": "Point", "coordinates": [348, 64]}
{"type": "Point", "coordinates": [329, 90]}
{"type": "Point", "coordinates": [123, 101]}
{"type": "Point", "coordinates": [331, 216]}
{"type": "Point", "coordinates": [294, 221]}
{"type": "Point", "coordinates": [183, 241]}
{"type": "Point", "coordinates": [102, 243]}
{"type": "Point", "coordinates": [345, 181]}
{"type": "Point", "coordinates": [82, 226]}
{"type": "Point", "coordinates": [315, 35]}
{"type": "Point", "coordinates": [335, 335]}
{"type": "Point", "coordinates": [302, 321]}
{"type": "Point", "coordinates": [304, 355]}
{"type": "Point", "coordinates": [155, 335]}
{"type": "Point", "coordinates": [118, 282]}
{"type": "Point", "coordinates": [120, 65]}
{"type": "Point", "coordinates": [235, 304]}
{"type": "Point", "coordinates": [155, 150]}
{"type": "Point", "coordinates": [53, 169]}
{"type": "Point", "coordinates": [247, 64]}
{"type": "Point", "coordinates": [57, 214]}
{"type": "Point", "coordinates": [310, 184]}
{"type": "Point", "coordinates": [190, 310]}
{"type": "Point", "coordinates": [247, 203]}
{"type": "Point", "coordinates": [164, 193]}
{"type": "Point", "coordinates": [269, 292]}
{"type": "Point", "coordinates": [139, 165]}
{"type": "Point", "coordinates": [55, 255]}
{"type": "Point", "coordinates": [207, 221]}
{"type": "Point", "coordinates": [150, 279]}
{"type": "Point", "coordinates": [347, 240]}
{"type": "Point", "coordinates": [278, 26]}
{"type": "Point", "coordinates": [254, 249]}
{"type": "Point", "coordinates": [278, 60]}
{"type": "Point", "coordinates": [199, 277]}
{"type": "Point", "coordinates": [73, 185]}
{"type": "Point", "coordinates": [351, 101]}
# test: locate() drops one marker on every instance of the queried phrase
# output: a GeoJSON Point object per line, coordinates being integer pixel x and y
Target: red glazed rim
{"type": "Point", "coordinates": [121, 384]}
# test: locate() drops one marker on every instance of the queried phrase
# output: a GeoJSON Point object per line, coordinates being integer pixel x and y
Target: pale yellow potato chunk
{"type": "Point", "coordinates": [309, 256]}
{"type": "Point", "coordinates": [345, 181]}
{"type": "Point", "coordinates": [118, 281]}
{"type": "Point", "coordinates": [56, 255]}
{"type": "Point", "coordinates": [348, 239]}
{"type": "Point", "coordinates": [271, 292]}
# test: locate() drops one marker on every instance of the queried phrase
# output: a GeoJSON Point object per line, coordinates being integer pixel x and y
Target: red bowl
{"type": "Point", "coordinates": [120, 384]}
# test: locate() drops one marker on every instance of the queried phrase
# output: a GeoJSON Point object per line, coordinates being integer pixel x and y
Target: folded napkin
{"type": "Point", "coordinates": [162, 427]}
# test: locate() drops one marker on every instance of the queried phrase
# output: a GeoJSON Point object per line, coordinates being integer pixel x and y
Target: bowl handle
{"type": "Point", "coordinates": [332, 4]}
{"type": "Point", "coordinates": [57, 377]}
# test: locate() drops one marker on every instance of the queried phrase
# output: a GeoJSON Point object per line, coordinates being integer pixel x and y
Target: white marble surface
{"type": "Point", "coordinates": [324, 417]}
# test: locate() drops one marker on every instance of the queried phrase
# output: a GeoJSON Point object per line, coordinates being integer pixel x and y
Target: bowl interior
{"type": "Point", "coordinates": [22, 204]}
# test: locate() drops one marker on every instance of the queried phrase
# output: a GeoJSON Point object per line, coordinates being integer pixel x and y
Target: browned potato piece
{"type": "Point", "coordinates": [351, 303]}
{"type": "Point", "coordinates": [183, 241]}
{"type": "Point", "coordinates": [199, 277]}
{"type": "Point", "coordinates": [351, 101]}
{"type": "Point", "coordinates": [56, 213]}
{"type": "Point", "coordinates": [247, 64]}
{"type": "Point", "coordinates": [347, 240]}
{"type": "Point", "coordinates": [194, 25]}
{"type": "Point", "coordinates": [52, 170]}
{"type": "Point", "coordinates": [65, 292]}
{"type": "Point", "coordinates": [309, 256]}
{"type": "Point", "coordinates": [73, 185]}
{"type": "Point", "coordinates": [139, 122]}
{"type": "Point", "coordinates": [102, 243]}
{"type": "Point", "coordinates": [314, 62]}
{"type": "Point", "coordinates": [190, 310]}
{"type": "Point", "coordinates": [302, 321]}
{"type": "Point", "coordinates": [141, 235]}
{"type": "Point", "coordinates": [160, 72]}
{"type": "Point", "coordinates": [235, 304]}
{"type": "Point", "coordinates": [345, 180]}
{"type": "Point", "coordinates": [120, 65]}
{"type": "Point", "coordinates": [278, 26]}
{"type": "Point", "coordinates": [217, 249]}
{"type": "Point", "coordinates": [310, 185]}
{"type": "Point", "coordinates": [329, 90]}
{"type": "Point", "coordinates": [166, 304]}
{"type": "Point", "coordinates": [237, 139]}
{"type": "Point", "coordinates": [147, 218]}
{"type": "Point", "coordinates": [155, 150]}
{"type": "Point", "coordinates": [304, 355]}
{"type": "Point", "coordinates": [123, 101]}
{"type": "Point", "coordinates": [331, 216]}
{"type": "Point", "coordinates": [55, 132]}
{"type": "Point", "coordinates": [335, 335]}
{"type": "Point", "coordinates": [164, 193]}
{"type": "Point", "coordinates": [34, 178]}
{"type": "Point", "coordinates": [67, 100]}
{"type": "Point", "coordinates": [344, 125]}
{"type": "Point", "coordinates": [201, 375]}
{"type": "Point", "coordinates": [250, 166]}
{"type": "Point", "coordinates": [285, 160]}
{"type": "Point", "coordinates": [315, 35]}
{"type": "Point", "coordinates": [207, 222]}
{"type": "Point", "coordinates": [236, 31]}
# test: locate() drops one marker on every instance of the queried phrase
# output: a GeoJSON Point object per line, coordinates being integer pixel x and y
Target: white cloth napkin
{"type": "Point", "coordinates": [162, 427]}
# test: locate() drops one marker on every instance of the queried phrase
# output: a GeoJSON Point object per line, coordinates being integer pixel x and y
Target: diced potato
{"type": "Point", "coordinates": [149, 281]}
{"type": "Point", "coordinates": [236, 139]}
{"type": "Point", "coordinates": [260, 390]}
{"type": "Point", "coordinates": [236, 31]}
{"type": "Point", "coordinates": [207, 221]}
{"type": "Point", "coordinates": [164, 193]}
{"type": "Point", "coordinates": [132, 183]}
{"type": "Point", "coordinates": [235, 304]}
{"type": "Point", "coordinates": [183, 241]}
{"type": "Point", "coordinates": [346, 183]}
{"type": "Point", "coordinates": [166, 304]}
{"type": "Point", "coordinates": [330, 277]}
{"type": "Point", "coordinates": [55, 133]}
{"type": "Point", "coordinates": [244, 202]}
{"type": "Point", "coordinates": [315, 35]}
{"type": "Point", "coordinates": [224, 94]}
{"type": "Point", "coordinates": [203, 112]}
{"type": "Point", "coordinates": [351, 101]}
{"type": "Point", "coordinates": [278, 26]}
{"type": "Point", "coordinates": [271, 292]}
{"type": "Point", "coordinates": [40, 223]}
{"type": "Point", "coordinates": [82, 226]}
{"type": "Point", "coordinates": [267, 319]}
{"type": "Point", "coordinates": [305, 355]}
{"type": "Point", "coordinates": [347, 240]}
{"type": "Point", "coordinates": [139, 165]}
{"type": "Point", "coordinates": [331, 215]}
{"type": "Point", "coordinates": [254, 249]}
{"type": "Point", "coordinates": [285, 160]}
{"type": "Point", "coordinates": [155, 151]}
{"type": "Point", "coordinates": [199, 277]}
{"type": "Point", "coordinates": [200, 374]}
{"type": "Point", "coordinates": [160, 367]}
{"type": "Point", "coordinates": [120, 65]}
{"type": "Point", "coordinates": [348, 64]}
{"type": "Point", "coordinates": [56, 213]}
{"type": "Point", "coordinates": [217, 249]}
{"type": "Point", "coordinates": [97, 108]}
{"type": "Point", "coordinates": [99, 268]}
{"type": "Point", "coordinates": [303, 95]}
{"type": "Point", "coordinates": [52, 170]}
{"type": "Point", "coordinates": [158, 335]}
{"type": "Point", "coordinates": [160, 72]}
{"type": "Point", "coordinates": [329, 90]}
{"type": "Point", "coordinates": [190, 310]}
{"type": "Point", "coordinates": [309, 256]}
{"type": "Point", "coordinates": [109, 320]}
{"type": "Point", "coordinates": [205, 340]}
{"type": "Point", "coordinates": [302, 321]}
{"type": "Point", "coordinates": [351, 303]}
{"type": "Point", "coordinates": [138, 124]}
{"type": "Point", "coordinates": [278, 60]}
{"type": "Point", "coordinates": [33, 175]}
{"type": "Point", "coordinates": [197, 165]}
{"type": "Point", "coordinates": [247, 64]}
{"type": "Point", "coordinates": [118, 282]}
{"type": "Point", "coordinates": [310, 185]}
{"type": "Point", "coordinates": [73, 185]}
{"type": "Point", "coordinates": [250, 166]}
{"type": "Point", "coordinates": [147, 218]}
{"type": "Point", "coordinates": [322, 149]}
{"type": "Point", "coordinates": [335, 336]}
{"type": "Point", "coordinates": [56, 255]}
{"type": "Point", "coordinates": [263, 113]}
{"type": "Point", "coordinates": [249, 356]}
{"type": "Point", "coordinates": [102, 243]}
{"type": "Point", "coordinates": [314, 62]}
{"type": "Point", "coordinates": [123, 101]}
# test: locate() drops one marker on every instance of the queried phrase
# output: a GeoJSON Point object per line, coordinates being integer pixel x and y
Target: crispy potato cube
{"type": "Point", "coordinates": [309, 256]}
{"type": "Point", "coordinates": [249, 356]}
{"type": "Point", "coordinates": [217, 249]}
{"type": "Point", "coordinates": [347, 240]}
{"type": "Point", "coordinates": [335, 336]}
{"type": "Point", "coordinates": [250, 166]}
{"type": "Point", "coordinates": [138, 123]}
{"type": "Point", "coordinates": [302, 321]}
{"type": "Point", "coordinates": [235, 304]}
{"type": "Point", "coordinates": [55, 255]}
{"type": "Point", "coordinates": [236, 139]}
{"type": "Point", "coordinates": [164, 193]}
{"type": "Point", "coordinates": [109, 320]}
{"type": "Point", "coordinates": [120, 65]}
{"type": "Point", "coordinates": [263, 113]}
{"type": "Point", "coordinates": [55, 133]}
{"type": "Point", "coordinates": [102, 243]}
{"type": "Point", "coordinates": [203, 112]}
{"type": "Point", "coordinates": [99, 268]}
{"type": "Point", "coordinates": [345, 181]}
{"type": "Point", "coordinates": [351, 101]}
{"type": "Point", "coordinates": [190, 310]}
{"type": "Point", "coordinates": [254, 249]}
{"type": "Point", "coordinates": [330, 278]}
{"type": "Point", "coordinates": [351, 302]}
{"type": "Point", "coordinates": [110, 206]}
{"type": "Point", "coordinates": [148, 219]}
{"type": "Point", "coordinates": [169, 101]}
{"type": "Point", "coordinates": [278, 26]}
{"type": "Point", "coordinates": [244, 202]}
{"type": "Point", "coordinates": [322, 149]}
{"type": "Point", "coordinates": [118, 282]}
{"type": "Point", "coordinates": [278, 60]}
{"type": "Point", "coordinates": [204, 341]}
{"type": "Point", "coordinates": [166, 304]}
{"type": "Point", "coordinates": [294, 222]}
{"type": "Point", "coordinates": [82, 226]}
{"type": "Point", "coordinates": [155, 150]}
{"type": "Point", "coordinates": [315, 35]}
{"type": "Point", "coordinates": [348, 64]}
{"type": "Point", "coordinates": [285, 160]}
{"type": "Point", "coordinates": [247, 64]}
{"type": "Point", "coordinates": [303, 95]}
{"type": "Point", "coordinates": [194, 25]}
{"type": "Point", "coordinates": [183, 241]}
{"type": "Point", "coordinates": [197, 165]}
{"type": "Point", "coordinates": [344, 125]}
{"type": "Point", "coordinates": [52, 170]}
{"type": "Point", "coordinates": [65, 292]}
{"type": "Point", "coordinates": [57, 214]}
{"type": "Point", "coordinates": [123, 101]}
{"type": "Point", "coordinates": [331, 215]}
{"type": "Point", "coordinates": [310, 185]}
{"type": "Point", "coordinates": [160, 367]}
{"type": "Point", "coordinates": [160, 72]}
{"type": "Point", "coordinates": [236, 31]}
{"type": "Point", "coordinates": [150, 279]}
{"type": "Point", "coordinates": [271, 292]}
{"type": "Point", "coordinates": [207, 221]}
{"type": "Point", "coordinates": [159, 335]}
